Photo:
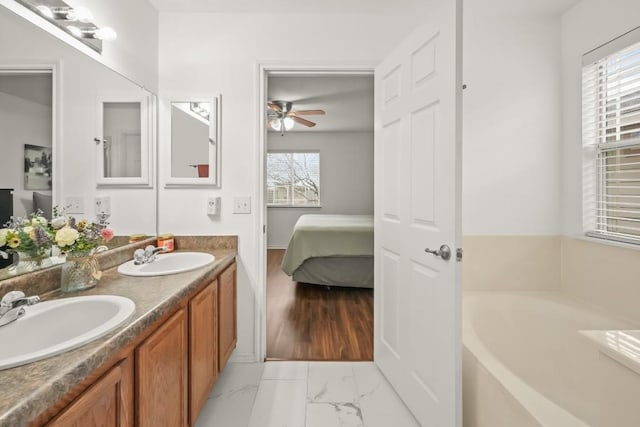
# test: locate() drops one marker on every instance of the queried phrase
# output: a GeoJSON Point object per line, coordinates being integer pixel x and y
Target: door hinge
{"type": "Point", "coordinates": [264, 229]}
{"type": "Point", "coordinates": [459, 255]}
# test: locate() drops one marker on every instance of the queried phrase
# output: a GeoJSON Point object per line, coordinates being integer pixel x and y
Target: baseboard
{"type": "Point", "coordinates": [243, 358]}
{"type": "Point", "coordinates": [277, 246]}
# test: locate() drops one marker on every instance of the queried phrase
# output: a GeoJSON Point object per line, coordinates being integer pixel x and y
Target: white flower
{"type": "Point", "coordinates": [59, 222]}
{"type": "Point", "coordinates": [28, 229]}
{"type": "Point", "coordinates": [39, 220]}
{"type": "Point", "coordinates": [3, 236]}
{"type": "Point", "coordinates": [66, 236]}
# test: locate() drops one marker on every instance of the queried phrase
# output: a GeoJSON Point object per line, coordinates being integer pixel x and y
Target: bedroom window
{"type": "Point", "coordinates": [293, 179]}
{"type": "Point", "coordinates": [611, 143]}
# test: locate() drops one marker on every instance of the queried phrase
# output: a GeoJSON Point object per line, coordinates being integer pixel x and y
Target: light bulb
{"type": "Point", "coordinates": [105, 33]}
{"type": "Point", "coordinates": [83, 14]}
{"type": "Point", "coordinates": [275, 124]}
{"type": "Point", "coordinates": [45, 11]}
{"type": "Point", "coordinates": [75, 30]}
{"type": "Point", "coordinates": [288, 123]}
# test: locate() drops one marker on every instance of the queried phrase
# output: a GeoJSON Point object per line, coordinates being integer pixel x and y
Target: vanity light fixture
{"type": "Point", "coordinates": [76, 21]}
{"type": "Point", "coordinates": [104, 33]}
{"type": "Point", "coordinates": [81, 14]}
{"type": "Point", "coordinates": [203, 109]}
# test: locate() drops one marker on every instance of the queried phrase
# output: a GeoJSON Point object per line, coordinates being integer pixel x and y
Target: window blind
{"type": "Point", "coordinates": [611, 145]}
{"type": "Point", "coordinates": [293, 179]}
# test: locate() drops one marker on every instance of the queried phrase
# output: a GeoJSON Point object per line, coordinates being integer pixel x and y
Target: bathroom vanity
{"type": "Point", "coordinates": [156, 369]}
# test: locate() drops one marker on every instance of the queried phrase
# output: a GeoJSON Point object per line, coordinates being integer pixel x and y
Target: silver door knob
{"type": "Point", "coordinates": [444, 252]}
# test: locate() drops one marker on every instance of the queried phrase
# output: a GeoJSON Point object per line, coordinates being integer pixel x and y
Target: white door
{"type": "Point", "coordinates": [417, 184]}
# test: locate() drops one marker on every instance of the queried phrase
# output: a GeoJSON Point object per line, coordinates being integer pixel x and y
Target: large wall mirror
{"type": "Point", "coordinates": [195, 142]}
{"type": "Point", "coordinates": [72, 133]}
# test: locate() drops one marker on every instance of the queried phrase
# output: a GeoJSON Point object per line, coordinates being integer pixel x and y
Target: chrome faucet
{"type": "Point", "coordinates": [12, 306]}
{"type": "Point", "coordinates": [147, 255]}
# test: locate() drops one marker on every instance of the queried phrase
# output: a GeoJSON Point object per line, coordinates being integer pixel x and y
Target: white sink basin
{"type": "Point", "coordinates": [171, 263]}
{"type": "Point", "coordinates": [53, 327]}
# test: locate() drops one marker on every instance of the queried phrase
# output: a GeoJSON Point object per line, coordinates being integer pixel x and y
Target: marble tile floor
{"type": "Point", "coordinates": [304, 394]}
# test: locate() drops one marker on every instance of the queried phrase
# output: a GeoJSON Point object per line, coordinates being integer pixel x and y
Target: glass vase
{"type": "Point", "coordinates": [81, 271]}
{"type": "Point", "coordinates": [29, 262]}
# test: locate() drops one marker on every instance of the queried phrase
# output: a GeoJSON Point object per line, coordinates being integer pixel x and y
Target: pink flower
{"type": "Point", "coordinates": [106, 234]}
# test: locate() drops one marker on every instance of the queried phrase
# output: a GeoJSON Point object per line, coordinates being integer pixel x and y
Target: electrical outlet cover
{"type": "Point", "coordinates": [103, 205]}
{"type": "Point", "coordinates": [213, 205]}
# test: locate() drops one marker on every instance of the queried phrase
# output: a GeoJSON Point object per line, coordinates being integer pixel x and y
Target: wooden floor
{"type": "Point", "coordinates": [312, 322]}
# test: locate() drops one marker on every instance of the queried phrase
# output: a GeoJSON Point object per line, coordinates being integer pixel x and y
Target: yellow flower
{"type": "Point", "coordinates": [14, 242]}
{"type": "Point", "coordinates": [3, 236]}
{"type": "Point", "coordinates": [66, 236]}
{"type": "Point", "coordinates": [28, 229]}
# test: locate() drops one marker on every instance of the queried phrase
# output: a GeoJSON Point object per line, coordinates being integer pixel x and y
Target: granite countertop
{"type": "Point", "coordinates": [29, 390]}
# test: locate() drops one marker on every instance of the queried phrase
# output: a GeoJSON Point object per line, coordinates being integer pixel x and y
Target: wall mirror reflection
{"type": "Point", "coordinates": [49, 117]}
{"type": "Point", "coordinates": [123, 140]}
{"type": "Point", "coordinates": [195, 142]}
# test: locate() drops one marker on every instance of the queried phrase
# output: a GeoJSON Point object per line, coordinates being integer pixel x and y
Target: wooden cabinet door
{"type": "Point", "coordinates": [227, 324]}
{"type": "Point", "coordinates": [161, 375]}
{"type": "Point", "coordinates": [107, 402]}
{"type": "Point", "coordinates": [203, 347]}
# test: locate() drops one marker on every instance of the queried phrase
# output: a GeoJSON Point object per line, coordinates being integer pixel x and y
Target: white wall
{"type": "Point", "coordinates": [205, 54]}
{"type": "Point", "coordinates": [346, 177]}
{"type": "Point", "coordinates": [586, 26]}
{"type": "Point", "coordinates": [81, 81]}
{"type": "Point", "coordinates": [511, 122]}
{"type": "Point", "coordinates": [25, 118]}
{"type": "Point", "coordinates": [135, 51]}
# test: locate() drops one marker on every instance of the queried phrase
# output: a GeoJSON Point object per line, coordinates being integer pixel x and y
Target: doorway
{"type": "Point", "coordinates": [318, 166]}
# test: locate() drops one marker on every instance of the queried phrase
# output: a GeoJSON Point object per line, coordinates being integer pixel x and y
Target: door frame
{"type": "Point", "coordinates": [54, 69]}
{"type": "Point", "coordinates": [264, 70]}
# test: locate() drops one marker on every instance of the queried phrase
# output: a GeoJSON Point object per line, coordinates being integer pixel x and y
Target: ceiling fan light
{"type": "Point", "coordinates": [275, 124]}
{"type": "Point", "coordinates": [288, 123]}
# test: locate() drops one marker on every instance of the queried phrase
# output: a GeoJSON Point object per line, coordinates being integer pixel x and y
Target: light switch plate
{"type": "Point", "coordinates": [242, 205]}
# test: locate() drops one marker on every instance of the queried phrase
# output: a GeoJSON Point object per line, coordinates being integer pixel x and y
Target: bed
{"type": "Point", "coordinates": [332, 250]}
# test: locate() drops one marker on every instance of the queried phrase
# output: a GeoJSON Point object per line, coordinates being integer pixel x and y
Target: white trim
{"type": "Point", "coordinates": [50, 28]}
{"type": "Point", "coordinates": [264, 69]}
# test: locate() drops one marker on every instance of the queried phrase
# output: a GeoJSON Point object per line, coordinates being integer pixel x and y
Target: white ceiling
{"type": "Point", "coordinates": [347, 100]}
{"type": "Point", "coordinates": [351, 6]}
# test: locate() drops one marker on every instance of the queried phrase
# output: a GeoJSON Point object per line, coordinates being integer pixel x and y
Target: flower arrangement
{"type": "Point", "coordinates": [73, 236]}
{"type": "Point", "coordinates": [31, 236]}
{"type": "Point", "coordinates": [35, 236]}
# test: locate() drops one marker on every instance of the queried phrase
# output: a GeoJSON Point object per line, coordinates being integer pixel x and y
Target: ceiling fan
{"type": "Point", "coordinates": [282, 117]}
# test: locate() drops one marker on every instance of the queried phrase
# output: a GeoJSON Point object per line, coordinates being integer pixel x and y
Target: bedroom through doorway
{"type": "Point", "coordinates": [319, 198]}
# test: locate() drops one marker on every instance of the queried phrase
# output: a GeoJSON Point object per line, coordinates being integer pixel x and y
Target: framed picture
{"type": "Point", "coordinates": [37, 167]}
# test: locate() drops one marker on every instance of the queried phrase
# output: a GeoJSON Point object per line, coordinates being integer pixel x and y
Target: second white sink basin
{"type": "Point", "coordinates": [171, 263]}
{"type": "Point", "coordinates": [53, 327]}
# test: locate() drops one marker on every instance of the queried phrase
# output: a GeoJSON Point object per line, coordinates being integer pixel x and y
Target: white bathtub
{"type": "Point", "coordinates": [526, 364]}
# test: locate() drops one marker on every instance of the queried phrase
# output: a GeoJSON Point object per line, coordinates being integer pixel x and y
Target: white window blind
{"type": "Point", "coordinates": [293, 179]}
{"type": "Point", "coordinates": [611, 145]}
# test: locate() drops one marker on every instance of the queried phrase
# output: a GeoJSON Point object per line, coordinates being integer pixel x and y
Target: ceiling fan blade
{"type": "Point", "coordinates": [274, 107]}
{"type": "Point", "coordinates": [302, 121]}
{"type": "Point", "coordinates": [308, 113]}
